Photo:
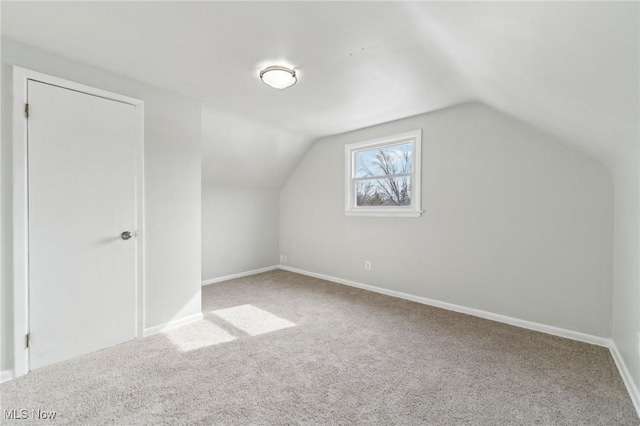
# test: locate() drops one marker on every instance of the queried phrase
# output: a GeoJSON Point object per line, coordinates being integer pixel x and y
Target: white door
{"type": "Point", "coordinates": [82, 197]}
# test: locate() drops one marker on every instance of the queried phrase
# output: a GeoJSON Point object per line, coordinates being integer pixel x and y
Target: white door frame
{"type": "Point", "coordinates": [21, 77]}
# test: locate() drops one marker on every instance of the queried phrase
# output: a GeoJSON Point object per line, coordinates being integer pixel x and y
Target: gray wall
{"type": "Point", "coordinates": [239, 230]}
{"type": "Point", "coordinates": [172, 188]}
{"type": "Point", "coordinates": [515, 223]}
{"type": "Point", "coordinates": [626, 255]}
{"type": "Point", "coordinates": [245, 162]}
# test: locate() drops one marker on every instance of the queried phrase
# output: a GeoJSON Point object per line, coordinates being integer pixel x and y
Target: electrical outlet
{"type": "Point", "coordinates": [285, 258]}
{"type": "Point", "coordinates": [367, 265]}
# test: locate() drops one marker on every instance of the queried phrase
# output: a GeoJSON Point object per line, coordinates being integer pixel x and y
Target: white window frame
{"type": "Point", "coordinates": [413, 210]}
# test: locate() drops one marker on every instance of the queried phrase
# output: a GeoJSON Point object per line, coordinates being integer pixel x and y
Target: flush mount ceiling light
{"type": "Point", "coordinates": [278, 77]}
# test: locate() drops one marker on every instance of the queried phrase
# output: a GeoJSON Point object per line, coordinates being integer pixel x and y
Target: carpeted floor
{"type": "Point", "coordinates": [281, 348]}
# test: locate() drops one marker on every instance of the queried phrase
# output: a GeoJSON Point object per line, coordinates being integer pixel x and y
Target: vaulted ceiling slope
{"type": "Point", "coordinates": [570, 69]}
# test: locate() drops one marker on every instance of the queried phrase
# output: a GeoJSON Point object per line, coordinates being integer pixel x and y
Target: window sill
{"type": "Point", "coordinates": [382, 213]}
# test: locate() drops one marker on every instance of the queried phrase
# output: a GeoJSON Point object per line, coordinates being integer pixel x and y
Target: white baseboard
{"type": "Point", "coordinates": [6, 375]}
{"type": "Point", "coordinates": [569, 334]}
{"type": "Point", "coordinates": [239, 275]}
{"type": "Point", "coordinates": [626, 376]}
{"type": "Point", "coordinates": [172, 324]}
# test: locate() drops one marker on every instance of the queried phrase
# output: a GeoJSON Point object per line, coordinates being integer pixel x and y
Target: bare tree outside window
{"type": "Point", "coordinates": [384, 176]}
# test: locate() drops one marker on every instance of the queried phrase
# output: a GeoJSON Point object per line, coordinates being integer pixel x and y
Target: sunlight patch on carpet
{"type": "Point", "coordinates": [198, 335]}
{"type": "Point", "coordinates": [251, 320]}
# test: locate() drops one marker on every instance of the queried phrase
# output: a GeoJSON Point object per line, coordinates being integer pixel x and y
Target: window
{"type": "Point", "coordinates": [383, 176]}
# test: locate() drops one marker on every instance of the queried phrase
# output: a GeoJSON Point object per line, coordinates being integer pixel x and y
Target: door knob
{"type": "Point", "coordinates": [126, 235]}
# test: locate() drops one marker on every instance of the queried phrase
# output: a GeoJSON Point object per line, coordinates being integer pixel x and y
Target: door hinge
{"type": "Point", "coordinates": [26, 110]}
{"type": "Point", "coordinates": [27, 339]}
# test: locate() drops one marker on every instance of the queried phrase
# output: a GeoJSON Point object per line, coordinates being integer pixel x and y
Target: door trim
{"type": "Point", "coordinates": [21, 77]}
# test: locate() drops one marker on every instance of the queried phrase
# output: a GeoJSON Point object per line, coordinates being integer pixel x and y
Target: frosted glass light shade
{"type": "Point", "coordinates": [278, 77]}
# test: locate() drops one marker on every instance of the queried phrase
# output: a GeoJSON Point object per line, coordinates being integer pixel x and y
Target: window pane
{"type": "Point", "coordinates": [384, 192]}
{"type": "Point", "coordinates": [388, 160]}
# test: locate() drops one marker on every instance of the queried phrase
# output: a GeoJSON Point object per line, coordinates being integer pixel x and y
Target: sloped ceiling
{"type": "Point", "coordinates": [247, 153]}
{"type": "Point", "coordinates": [570, 69]}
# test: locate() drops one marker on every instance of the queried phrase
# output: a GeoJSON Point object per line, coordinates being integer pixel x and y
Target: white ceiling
{"type": "Point", "coordinates": [570, 69]}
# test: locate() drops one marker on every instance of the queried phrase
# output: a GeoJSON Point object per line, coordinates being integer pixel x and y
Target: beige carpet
{"type": "Point", "coordinates": [281, 348]}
